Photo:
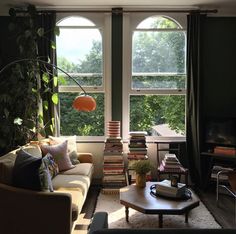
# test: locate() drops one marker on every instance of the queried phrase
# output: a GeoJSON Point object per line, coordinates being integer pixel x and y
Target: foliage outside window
{"type": "Point", "coordinates": [158, 83]}
{"type": "Point", "coordinates": [80, 53]}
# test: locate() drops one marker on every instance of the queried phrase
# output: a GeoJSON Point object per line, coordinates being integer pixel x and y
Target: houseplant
{"type": "Point", "coordinates": [141, 167]}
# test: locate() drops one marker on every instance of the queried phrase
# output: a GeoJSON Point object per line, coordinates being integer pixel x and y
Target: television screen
{"type": "Point", "coordinates": [221, 131]}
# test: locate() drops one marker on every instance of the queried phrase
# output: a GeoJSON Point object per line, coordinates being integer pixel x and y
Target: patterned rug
{"type": "Point", "coordinates": [199, 217]}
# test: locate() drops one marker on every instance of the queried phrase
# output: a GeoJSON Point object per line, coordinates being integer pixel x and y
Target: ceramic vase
{"type": "Point", "coordinates": [141, 180]}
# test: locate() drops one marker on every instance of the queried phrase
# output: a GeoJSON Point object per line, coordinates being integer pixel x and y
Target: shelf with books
{"type": "Point", "coordinates": [113, 160]}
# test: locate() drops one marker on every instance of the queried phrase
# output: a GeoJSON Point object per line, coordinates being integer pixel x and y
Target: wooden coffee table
{"type": "Point", "coordinates": [141, 200]}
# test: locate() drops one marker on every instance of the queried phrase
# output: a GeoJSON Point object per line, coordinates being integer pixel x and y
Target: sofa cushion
{"type": "Point", "coordinates": [71, 182]}
{"type": "Point", "coordinates": [34, 150]}
{"type": "Point", "coordinates": [51, 165]}
{"type": "Point", "coordinates": [26, 171]}
{"type": "Point", "coordinates": [71, 142]}
{"type": "Point", "coordinates": [77, 200]}
{"type": "Point", "coordinates": [80, 169]}
{"type": "Point", "coordinates": [7, 162]}
{"type": "Point", "coordinates": [60, 155]}
{"type": "Point", "coordinates": [74, 158]}
{"type": "Point", "coordinates": [6, 165]}
{"type": "Point", "coordinates": [72, 147]}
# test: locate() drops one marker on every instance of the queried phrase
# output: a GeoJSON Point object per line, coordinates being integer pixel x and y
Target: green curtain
{"type": "Point", "coordinates": [194, 30]}
{"type": "Point", "coordinates": [47, 21]}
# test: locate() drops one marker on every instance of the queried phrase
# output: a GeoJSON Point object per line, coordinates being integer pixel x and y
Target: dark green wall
{"type": "Point", "coordinates": [218, 50]}
{"type": "Point", "coordinates": [117, 57]}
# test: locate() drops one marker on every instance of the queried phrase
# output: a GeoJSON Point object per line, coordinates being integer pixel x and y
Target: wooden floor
{"type": "Point", "coordinates": [223, 213]}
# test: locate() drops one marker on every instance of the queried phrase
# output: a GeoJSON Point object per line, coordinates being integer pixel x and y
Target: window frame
{"type": "Point", "coordinates": [103, 24]}
{"type": "Point", "coordinates": [130, 23]}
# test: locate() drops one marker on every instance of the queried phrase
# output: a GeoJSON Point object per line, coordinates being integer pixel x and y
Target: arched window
{"type": "Point", "coordinates": [80, 52]}
{"type": "Point", "coordinates": [157, 84]}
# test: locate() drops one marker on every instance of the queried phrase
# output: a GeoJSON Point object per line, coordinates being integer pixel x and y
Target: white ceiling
{"type": "Point", "coordinates": [221, 5]}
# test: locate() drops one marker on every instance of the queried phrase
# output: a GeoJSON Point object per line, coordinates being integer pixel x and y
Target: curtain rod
{"type": "Point", "coordinates": [120, 11]}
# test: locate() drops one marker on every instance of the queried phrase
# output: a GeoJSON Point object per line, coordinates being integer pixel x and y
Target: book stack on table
{"type": "Point", "coordinates": [164, 188]}
{"type": "Point", "coordinates": [170, 163]}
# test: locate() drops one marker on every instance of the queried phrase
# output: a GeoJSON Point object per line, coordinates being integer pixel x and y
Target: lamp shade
{"type": "Point", "coordinates": [84, 103]}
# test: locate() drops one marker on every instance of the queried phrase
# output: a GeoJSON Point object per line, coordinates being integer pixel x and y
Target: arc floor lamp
{"type": "Point", "coordinates": [83, 102]}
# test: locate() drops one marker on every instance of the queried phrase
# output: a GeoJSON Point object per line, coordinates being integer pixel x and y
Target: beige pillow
{"type": "Point", "coordinates": [71, 142]}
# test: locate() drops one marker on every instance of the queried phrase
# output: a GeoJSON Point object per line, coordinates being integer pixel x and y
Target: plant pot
{"type": "Point", "coordinates": [141, 180]}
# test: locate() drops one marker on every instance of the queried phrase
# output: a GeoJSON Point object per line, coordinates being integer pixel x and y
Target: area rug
{"type": "Point", "coordinates": [199, 217]}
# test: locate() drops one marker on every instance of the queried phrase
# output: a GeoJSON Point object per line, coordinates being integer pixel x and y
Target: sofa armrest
{"type": "Point", "coordinates": [26, 212]}
{"type": "Point", "coordinates": [99, 221]}
{"type": "Point", "coordinates": [85, 157]}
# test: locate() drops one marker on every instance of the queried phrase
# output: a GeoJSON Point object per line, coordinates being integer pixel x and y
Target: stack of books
{"type": "Point", "coordinates": [170, 163]}
{"type": "Point", "coordinates": [137, 151]}
{"type": "Point", "coordinates": [113, 160]}
{"type": "Point", "coordinates": [137, 145]}
{"type": "Point", "coordinates": [164, 188]}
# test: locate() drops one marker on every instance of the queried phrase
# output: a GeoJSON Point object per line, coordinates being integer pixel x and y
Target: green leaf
{"type": "Point", "coordinates": [45, 105]}
{"type": "Point", "coordinates": [53, 45]}
{"type": "Point", "coordinates": [45, 78]}
{"type": "Point", "coordinates": [40, 118]}
{"type": "Point", "coordinates": [62, 80]}
{"type": "Point", "coordinates": [55, 98]}
{"type": "Point", "coordinates": [57, 31]}
{"type": "Point", "coordinates": [47, 90]}
{"type": "Point", "coordinates": [18, 121]}
{"type": "Point", "coordinates": [40, 32]}
{"type": "Point", "coordinates": [55, 81]}
{"type": "Point", "coordinates": [34, 90]}
{"type": "Point", "coordinates": [51, 127]}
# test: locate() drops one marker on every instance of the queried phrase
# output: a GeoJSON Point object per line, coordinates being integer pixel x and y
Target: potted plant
{"type": "Point", "coordinates": [141, 167]}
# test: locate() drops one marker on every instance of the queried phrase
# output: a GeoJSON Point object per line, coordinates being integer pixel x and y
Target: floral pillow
{"type": "Point", "coordinates": [51, 165]}
{"type": "Point", "coordinates": [59, 154]}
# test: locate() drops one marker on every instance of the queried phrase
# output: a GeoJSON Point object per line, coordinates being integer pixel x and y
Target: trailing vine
{"type": "Point", "coordinates": [24, 84]}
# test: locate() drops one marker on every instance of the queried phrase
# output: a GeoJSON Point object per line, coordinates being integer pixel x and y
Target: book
{"type": "Point", "coordinates": [164, 188]}
{"type": "Point", "coordinates": [225, 150]}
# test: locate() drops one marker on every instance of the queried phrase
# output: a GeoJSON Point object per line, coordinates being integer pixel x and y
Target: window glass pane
{"type": "Point", "coordinates": [162, 115]}
{"type": "Point", "coordinates": [76, 21]}
{"type": "Point", "coordinates": [81, 123]}
{"type": "Point", "coordinates": [158, 52]}
{"type": "Point", "coordinates": [152, 81]}
{"type": "Point", "coordinates": [157, 22]}
{"type": "Point", "coordinates": [79, 51]}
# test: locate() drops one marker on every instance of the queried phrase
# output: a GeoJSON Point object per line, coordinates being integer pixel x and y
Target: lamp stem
{"type": "Point", "coordinates": [43, 62]}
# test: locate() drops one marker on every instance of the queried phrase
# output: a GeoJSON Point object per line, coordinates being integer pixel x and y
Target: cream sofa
{"type": "Point", "coordinates": [25, 211]}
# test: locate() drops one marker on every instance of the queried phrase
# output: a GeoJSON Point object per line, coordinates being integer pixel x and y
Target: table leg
{"type": "Point", "coordinates": [127, 213]}
{"type": "Point", "coordinates": [186, 217]}
{"type": "Point", "coordinates": [160, 220]}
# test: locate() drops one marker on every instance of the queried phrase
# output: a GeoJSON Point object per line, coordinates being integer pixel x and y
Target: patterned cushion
{"type": "Point", "coordinates": [60, 155]}
{"type": "Point", "coordinates": [51, 165]}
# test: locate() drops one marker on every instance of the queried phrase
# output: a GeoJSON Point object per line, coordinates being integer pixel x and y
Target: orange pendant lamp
{"type": "Point", "coordinates": [84, 103]}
